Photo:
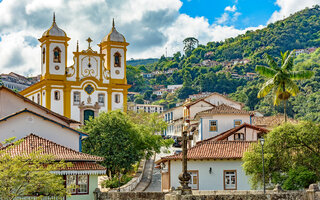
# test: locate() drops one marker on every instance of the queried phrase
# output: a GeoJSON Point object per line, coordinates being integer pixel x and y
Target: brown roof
{"type": "Point", "coordinates": [224, 96]}
{"type": "Point", "coordinates": [66, 119]}
{"type": "Point", "coordinates": [197, 101]}
{"type": "Point", "coordinates": [223, 109]}
{"type": "Point", "coordinates": [213, 150]}
{"type": "Point", "coordinates": [271, 121]}
{"type": "Point", "coordinates": [85, 166]}
{"type": "Point", "coordinates": [229, 132]}
{"type": "Point", "coordinates": [33, 142]}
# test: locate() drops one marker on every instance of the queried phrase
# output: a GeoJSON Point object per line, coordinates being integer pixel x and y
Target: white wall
{"type": "Point", "coordinates": [43, 65]}
{"type": "Point", "coordinates": [57, 105]}
{"type": "Point", "coordinates": [198, 107]}
{"type": "Point", "coordinates": [224, 123]}
{"type": "Point", "coordinates": [213, 181]}
{"type": "Point", "coordinates": [93, 71]}
{"type": "Point", "coordinates": [122, 62]}
{"type": "Point", "coordinates": [115, 105]}
{"type": "Point", "coordinates": [61, 65]}
{"type": "Point", "coordinates": [23, 124]}
{"type": "Point", "coordinates": [218, 100]}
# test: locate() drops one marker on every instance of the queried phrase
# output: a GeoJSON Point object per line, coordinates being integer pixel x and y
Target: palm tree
{"type": "Point", "coordinates": [281, 78]}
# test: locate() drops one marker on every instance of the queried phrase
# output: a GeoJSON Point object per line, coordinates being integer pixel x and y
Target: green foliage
{"type": "Point", "coordinates": [30, 174]}
{"type": "Point", "coordinates": [291, 153]}
{"type": "Point", "coordinates": [114, 182]}
{"type": "Point", "coordinates": [121, 139]}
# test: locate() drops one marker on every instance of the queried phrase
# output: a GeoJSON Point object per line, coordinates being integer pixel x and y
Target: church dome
{"type": "Point", "coordinates": [54, 30]}
{"type": "Point", "coordinates": [114, 35]}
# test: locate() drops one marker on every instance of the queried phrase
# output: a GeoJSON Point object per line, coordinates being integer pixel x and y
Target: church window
{"type": "Point", "coordinates": [101, 99]}
{"type": "Point", "coordinates": [38, 98]}
{"type": "Point", "coordinates": [117, 62]}
{"type": "Point", "coordinates": [57, 55]}
{"type": "Point", "coordinates": [89, 89]}
{"type": "Point", "coordinates": [76, 98]}
{"type": "Point", "coordinates": [117, 98]}
{"type": "Point", "coordinates": [56, 95]}
{"type": "Point", "coordinates": [32, 98]}
{"type": "Point", "coordinates": [43, 55]}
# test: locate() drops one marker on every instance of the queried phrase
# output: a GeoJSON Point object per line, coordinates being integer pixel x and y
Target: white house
{"type": "Point", "coordinates": [213, 165]}
{"type": "Point", "coordinates": [149, 108]}
{"type": "Point", "coordinates": [219, 119]}
{"type": "Point", "coordinates": [20, 116]}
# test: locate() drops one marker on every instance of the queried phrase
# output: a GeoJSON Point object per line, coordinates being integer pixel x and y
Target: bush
{"type": "Point", "coordinates": [114, 181]}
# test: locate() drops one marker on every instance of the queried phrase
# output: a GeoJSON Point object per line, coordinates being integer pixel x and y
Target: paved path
{"type": "Point", "coordinates": [146, 177]}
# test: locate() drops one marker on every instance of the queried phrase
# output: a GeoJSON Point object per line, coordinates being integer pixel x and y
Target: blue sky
{"type": "Point", "coordinates": [252, 12]}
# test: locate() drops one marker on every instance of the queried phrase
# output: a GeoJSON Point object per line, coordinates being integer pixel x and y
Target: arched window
{"type": "Point", "coordinates": [56, 95]}
{"type": "Point", "coordinates": [57, 55]}
{"type": "Point", "coordinates": [117, 98]}
{"type": "Point", "coordinates": [117, 61]}
{"type": "Point", "coordinates": [43, 55]}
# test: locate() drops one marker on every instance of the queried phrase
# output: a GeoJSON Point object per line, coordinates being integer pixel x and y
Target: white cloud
{"type": "Point", "coordinates": [231, 9]}
{"type": "Point", "coordinates": [224, 18]}
{"type": "Point", "coordinates": [288, 7]}
{"type": "Point", "coordinates": [149, 27]}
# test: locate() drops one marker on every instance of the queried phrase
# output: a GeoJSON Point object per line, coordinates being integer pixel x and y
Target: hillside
{"type": "Point", "coordinates": [135, 62]}
{"type": "Point", "coordinates": [224, 66]}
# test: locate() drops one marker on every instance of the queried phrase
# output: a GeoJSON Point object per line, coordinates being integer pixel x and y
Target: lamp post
{"type": "Point", "coordinates": [263, 177]}
{"type": "Point", "coordinates": [184, 176]}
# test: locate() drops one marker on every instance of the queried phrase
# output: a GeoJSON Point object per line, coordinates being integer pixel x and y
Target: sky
{"type": "Point", "coordinates": [152, 27]}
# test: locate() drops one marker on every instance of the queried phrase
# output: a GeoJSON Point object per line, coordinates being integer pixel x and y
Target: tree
{"type": "Point", "coordinates": [138, 99]}
{"type": "Point", "coordinates": [120, 140]}
{"type": "Point", "coordinates": [281, 78]}
{"type": "Point", "coordinates": [190, 44]}
{"type": "Point", "coordinates": [292, 157]}
{"type": "Point", "coordinates": [29, 175]}
{"type": "Point", "coordinates": [147, 95]}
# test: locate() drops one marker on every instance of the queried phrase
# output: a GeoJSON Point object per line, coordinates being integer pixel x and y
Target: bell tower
{"type": "Point", "coordinates": [54, 44]}
{"type": "Point", "coordinates": [114, 46]}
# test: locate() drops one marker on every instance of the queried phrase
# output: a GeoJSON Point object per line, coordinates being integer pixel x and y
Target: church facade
{"type": "Point", "coordinates": [96, 81]}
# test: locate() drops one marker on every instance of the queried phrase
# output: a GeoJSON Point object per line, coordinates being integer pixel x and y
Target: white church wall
{"type": "Point", "coordinates": [62, 64]}
{"type": "Point", "coordinates": [43, 64]}
{"type": "Point", "coordinates": [120, 69]}
{"type": "Point", "coordinates": [57, 104]}
{"type": "Point", "coordinates": [114, 104]}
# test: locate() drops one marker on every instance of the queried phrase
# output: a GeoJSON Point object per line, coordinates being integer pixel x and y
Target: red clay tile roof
{"type": "Point", "coordinates": [85, 166]}
{"type": "Point", "coordinates": [197, 101]}
{"type": "Point", "coordinates": [229, 132]}
{"type": "Point", "coordinates": [213, 150]}
{"type": "Point", "coordinates": [33, 142]}
{"type": "Point", "coordinates": [271, 121]}
{"type": "Point", "coordinates": [223, 109]}
{"type": "Point", "coordinates": [66, 119]}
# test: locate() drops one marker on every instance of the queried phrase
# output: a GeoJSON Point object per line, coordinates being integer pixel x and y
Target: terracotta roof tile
{"type": "Point", "coordinates": [271, 121]}
{"type": "Point", "coordinates": [33, 142]}
{"type": "Point", "coordinates": [229, 132]}
{"type": "Point", "coordinates": [223, 109]}
{"type": "Point", "coordinates": [85, 166]}
{"type": "Point", "coordinates": [213, 150]}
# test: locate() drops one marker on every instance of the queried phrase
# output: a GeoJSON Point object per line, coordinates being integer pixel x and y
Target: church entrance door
{"type": "Point", "coordinates": [87, 114]}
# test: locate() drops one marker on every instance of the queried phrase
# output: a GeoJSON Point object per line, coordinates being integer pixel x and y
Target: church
{"type": "Point", "coordinates": [95, 82]}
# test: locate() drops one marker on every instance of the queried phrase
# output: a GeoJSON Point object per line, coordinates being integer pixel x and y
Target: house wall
{"type": "Point", "coordinates": [93, 184]}
{"type": "Point", "coordinates": [215, 180]}
{"type": "Point", "coordinates": [23, 124]}
{"type": "Point", "coordinates": [9, 104]}
{"type": "Point", "coordinates": [250, 134]}
{"type": "Point", "coordinates": [218, 100]}
{"type": "Point", "coordinates": [198, 107]}
{"type": "Point", "coordinates": [224, 123]}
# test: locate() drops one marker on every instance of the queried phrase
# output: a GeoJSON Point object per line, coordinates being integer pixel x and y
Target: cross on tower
{"type": "Point", "coordinates": [89, 41]}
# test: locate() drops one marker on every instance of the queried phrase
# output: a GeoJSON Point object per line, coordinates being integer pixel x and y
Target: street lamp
{"type": "Point", "coordinates": [185, 177]}
{"type": "Point", "coordinates": [264, 183]}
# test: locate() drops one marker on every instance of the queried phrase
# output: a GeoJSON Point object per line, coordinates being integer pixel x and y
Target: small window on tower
{"type": "Point", "coordinates": [43, 55]}
{"type": "Point", "coordinates": [38, 98]}
{"type": "Point", "coordinates": [76, 98]}
{"type": "Point", "coordinates": [56, 95]}
{"type": "Point", "coordinates": [57, 55]}
{"type": "Point", "coordinates": [117, 60]}
{"type": "Point", "coordinates": [117, 98]}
